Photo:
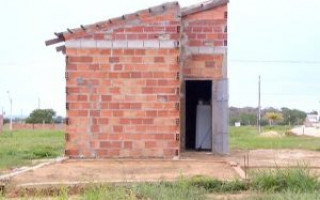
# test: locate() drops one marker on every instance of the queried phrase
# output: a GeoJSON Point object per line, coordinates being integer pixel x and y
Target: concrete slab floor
{"type": "Point", "coordinates": [128, 170]}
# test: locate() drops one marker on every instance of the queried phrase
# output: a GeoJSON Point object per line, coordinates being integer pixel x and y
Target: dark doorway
{"type": "Point", "coordinates": [197, 93]}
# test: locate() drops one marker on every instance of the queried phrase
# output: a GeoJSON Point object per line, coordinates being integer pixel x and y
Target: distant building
{"type": "Point", "coordinates": [312, 120]}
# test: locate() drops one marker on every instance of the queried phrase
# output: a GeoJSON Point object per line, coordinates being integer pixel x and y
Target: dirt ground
{"type": "Point", "coordinates": [276, 158]}
{"type": "Point", "coordinates": [140, 170]}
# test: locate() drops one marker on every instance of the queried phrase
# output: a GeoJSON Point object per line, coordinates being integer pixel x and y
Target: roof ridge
{"type": "Point", "coordinates": [209, 4]}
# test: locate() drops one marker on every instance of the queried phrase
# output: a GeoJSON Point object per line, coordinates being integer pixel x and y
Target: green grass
{"type": "Point", "coordinates": [284, 184]}
{"type": "Point", "coordinates": [247, 138]}
{"type": "Point", "coordinates": [214, 185]}
{"type": "Point", "coordinates": [271, 185]}
{"type": "Point", "coordinates": [286, 195]}
{"type": "Point", "coordinates": [180, 190]}
{"type": "Point", "coordinates": [18, 148]}
{"type": "Point", "coordinates": [295, 184]}
{"type": "Point", "coordinates": [298, 180]}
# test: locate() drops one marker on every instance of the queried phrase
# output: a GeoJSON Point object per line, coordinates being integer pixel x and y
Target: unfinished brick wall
{"type": "Point", "coordinates": [122, 89]}
{"type": "Point", "coordinates": [204, 57]}
{"type": "Point", "coordinates": [204, 40]}
{"type": "Point", "coordinates": [125, 77]}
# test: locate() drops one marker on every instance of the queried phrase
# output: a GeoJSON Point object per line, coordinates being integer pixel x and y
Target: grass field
{"type": "Point", "coordinates": [19, 148]}
{"type": "Point", "coordinates": [247, 138]}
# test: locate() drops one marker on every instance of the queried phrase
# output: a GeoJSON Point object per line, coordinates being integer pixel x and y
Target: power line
{"type": "Point", "coordinates": [259, 105]}
{"type": "Point", "coordinates": [278, 61]}
{"type": "Point", "coordinates": [275, 94]}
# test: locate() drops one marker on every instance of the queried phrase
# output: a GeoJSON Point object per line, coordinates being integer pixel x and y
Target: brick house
{"type": "Point", "coordinates": [133, 83]}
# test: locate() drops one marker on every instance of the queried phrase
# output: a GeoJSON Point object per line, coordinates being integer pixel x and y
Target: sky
{"type": "Point", "coordinates": [277, 39]}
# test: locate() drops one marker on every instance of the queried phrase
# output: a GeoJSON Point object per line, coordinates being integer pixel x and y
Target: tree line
{"type": "Point", "coordinates": [246, 116]}
{"type": "Point", "coordinates": [269, 116]}
{"type": "Point", "coordinates": [39, 116]}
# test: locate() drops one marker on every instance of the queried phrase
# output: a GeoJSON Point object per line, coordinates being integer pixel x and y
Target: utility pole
{"type": "Point", "coordinates": [21, 115]}
{"type": "Point", "coordinates": [10, 99]}
{"type": "Point", "coordinates": [38, 102]}
{"type": "Point", "coordinates": [319, 112]}
{"type": "Point", "coordinates": [259, 105]}
{"type": "Point", "coordinates": [289, 120]}
{"type": "Point", "coordinates": [1, 121]}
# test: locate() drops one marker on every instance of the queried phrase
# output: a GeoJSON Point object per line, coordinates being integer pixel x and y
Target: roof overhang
{"type": "Point", "coordinates": [62, 36]}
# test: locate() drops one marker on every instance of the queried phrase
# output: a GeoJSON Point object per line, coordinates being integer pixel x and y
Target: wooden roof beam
{"type": "Point", "coordinates": [54, 41]}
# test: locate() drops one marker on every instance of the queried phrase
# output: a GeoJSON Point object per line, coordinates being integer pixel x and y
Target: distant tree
{"type": "Point", "coordinates": [273, 117]}
{"type": "Point", "coordinates": [41, 116]}
{"type": "Point", "coordinates": [264, 122]}
{"type": "Point", "coordinates": [293, 117]}
{"type": "Point", "coordinates": [58, 120]}
{"type": "Point", "coordinates": [313, 112]}
{"type": "Point", "coordinates": [6, 121]}
{"type": "Point", "coordinates": [246, 116]}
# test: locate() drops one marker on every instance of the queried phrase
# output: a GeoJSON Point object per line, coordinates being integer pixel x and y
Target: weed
{"type": "Point", "coordinates": [214, 185]}
{"type": "Point", "coordinates": [286, 195]}
{"type": "Point", "coordinates": [180, 190]}
{"type": "Point", "coordinates": [105, 192]}
{"type": "Point", "coordinates": [295, 180]}
{"type": "Point", "coordinates": [63, 193]}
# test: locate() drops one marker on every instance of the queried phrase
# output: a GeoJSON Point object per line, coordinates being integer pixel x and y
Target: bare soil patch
{"type": "Point", "coordinates": [270, 134]}
{"type": "Point", "coordinates": [306, 131]}
{"type": "Point", "coordinates": [277, 158]}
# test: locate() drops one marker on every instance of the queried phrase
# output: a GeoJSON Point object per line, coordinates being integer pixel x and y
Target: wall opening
{"type": "Point", "coordinates": [198, 115]}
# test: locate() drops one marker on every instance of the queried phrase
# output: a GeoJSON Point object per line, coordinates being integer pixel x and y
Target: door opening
{"type": "Point", "coordinates": [198, 115]}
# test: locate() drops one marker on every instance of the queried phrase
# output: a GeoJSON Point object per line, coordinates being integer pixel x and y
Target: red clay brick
{"type": "Point", "coordinates": [150, 144]}
{"type": "Point", "coordinates": [159, 59]}
{"type": "Point", "coordinates": [117, 128]}
{"type": "Point", "coordinates": [82, 97]}
{"type": "Point", "coordinates": [106, 97]}
{"type": "Point", "coordinates": [107, 144]}
{"type": "Point", "coordinates": [114, 59]}
{"type": "Point", "coordinates": [127, 144]}
{"type": "Point", "coordinates": [94, 113]}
